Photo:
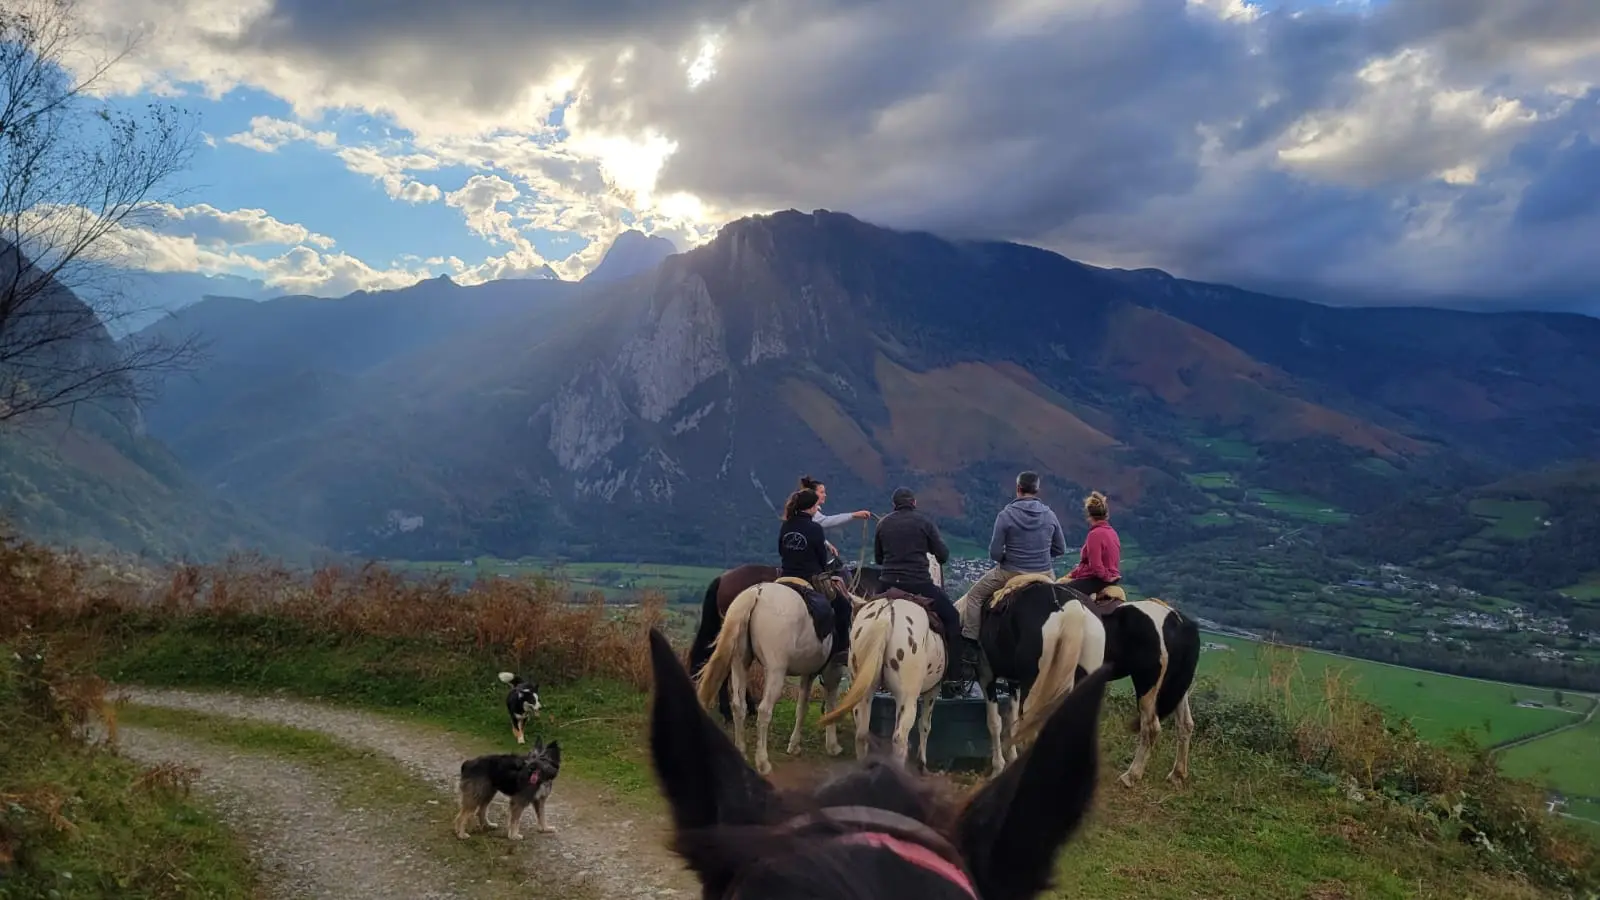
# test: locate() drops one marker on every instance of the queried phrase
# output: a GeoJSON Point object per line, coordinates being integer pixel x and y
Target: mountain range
{"type": "Point", "coordinates": [663, 407]}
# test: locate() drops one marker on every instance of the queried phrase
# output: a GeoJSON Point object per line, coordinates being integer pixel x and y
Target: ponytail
{"type": "Point", "coordinates": [799, 500]}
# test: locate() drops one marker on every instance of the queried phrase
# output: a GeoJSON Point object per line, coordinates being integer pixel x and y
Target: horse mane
{"type": "Point", "coordinates": [1017, 583]}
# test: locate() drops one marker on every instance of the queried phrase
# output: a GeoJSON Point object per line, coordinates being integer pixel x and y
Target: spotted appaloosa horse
{"type": "Point", "coordinates": [719, 596]}
{"type": "Point", "coordinates": [874, 832]}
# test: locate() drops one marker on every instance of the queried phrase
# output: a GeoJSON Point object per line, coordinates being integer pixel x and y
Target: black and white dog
{"type": "Point", "coordinates": [522, 701]}
{"type": "Point", "coordinates": [526, 778]}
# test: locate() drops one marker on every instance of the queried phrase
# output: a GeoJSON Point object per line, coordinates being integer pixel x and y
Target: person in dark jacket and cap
{"type": "Point", "coordinates": [901, 546]}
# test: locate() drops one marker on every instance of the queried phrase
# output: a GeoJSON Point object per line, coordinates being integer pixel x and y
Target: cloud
{"type": "Point", "coordinates": [212, 227]}
{"type": "Point", "coordinates": [1412, 148]}
{"type": "Point", "coordinates": [268, 134]}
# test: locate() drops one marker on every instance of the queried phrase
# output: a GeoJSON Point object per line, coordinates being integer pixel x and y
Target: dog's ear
{"type": "Point", "coordinates": [704, 777]}
{"type": "Point", "coordinates": [1010, 831]}
{"type": "Point", "coordinates": [537, 748]}
{"type": "Point", "coordinates": [552, 752]}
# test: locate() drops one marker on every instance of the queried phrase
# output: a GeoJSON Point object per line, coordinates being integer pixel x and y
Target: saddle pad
{"type": "Point", "coordinates": [817, 604]}
{"type": "Point", "coordinates": [935, 624]}
{"type": "Point", "coordinates": [1017, 582]}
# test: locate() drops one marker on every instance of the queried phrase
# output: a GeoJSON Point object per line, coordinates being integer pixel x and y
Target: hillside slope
{"type": "Point", "coordinates": [666, 416]}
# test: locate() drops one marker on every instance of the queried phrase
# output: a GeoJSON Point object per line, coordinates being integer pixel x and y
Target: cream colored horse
{"type": "Point", "coordinates": [769, 622]}
{"type": "Point", "coordinates": [910, 662]}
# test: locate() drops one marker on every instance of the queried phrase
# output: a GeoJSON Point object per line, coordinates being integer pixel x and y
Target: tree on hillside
{"type": "Point", "coordinates": [75, 176]}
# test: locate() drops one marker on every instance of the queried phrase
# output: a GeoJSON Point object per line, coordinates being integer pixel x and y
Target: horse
{"type": "Point", "coordinates": [771, 623]}
{"type": "Point", "coordinates": [1038, 638]}
{"type": "Point", "coordinates": [719, 595]}
{"type": "Point", "coordinates": [910, 662]}
{"type": "Point", "coordinates": [874, 831]}
{"type": "Point", "coordinates": [1159, 647]}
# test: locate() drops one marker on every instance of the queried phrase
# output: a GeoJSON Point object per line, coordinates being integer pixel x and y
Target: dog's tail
{"type": "Point", "coordinates": [732, 637]}
{"type": "Point", "coordinates": [509, 677]}
{"type": "Point", "coordinates": [1058, 669]}
{"type": "Point", "coordinates": [869, 644]}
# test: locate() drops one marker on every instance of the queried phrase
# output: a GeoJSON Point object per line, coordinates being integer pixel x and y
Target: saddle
{"type": "Point", "coordinates": [1107, 601]}
{"type": "Point", "coordinates": [816, 604]}
{"type": "Point", "coordinates": [935, 624]}
{"type": "Point", "coordinates": [1017, 582]}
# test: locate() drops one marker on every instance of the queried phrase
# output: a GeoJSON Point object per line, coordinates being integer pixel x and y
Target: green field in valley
{"type": "Point", "coordinates": [1570, 761]}
{"type": "Point", "coordinates": [1439, 705]}
{"type": "Point", "coordinates": [614, 579]}
{"type": "Point", "coordinates": [1515, 520]}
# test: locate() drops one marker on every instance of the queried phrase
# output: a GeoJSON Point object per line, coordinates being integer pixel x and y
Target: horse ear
{"type": "Point", "coordinates": [1011, 829]}
{"type": "Point", "coordinates": [704, 777]}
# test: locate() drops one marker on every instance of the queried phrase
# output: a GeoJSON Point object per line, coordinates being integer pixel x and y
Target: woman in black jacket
{"type": "Point", "coordinates": [803, 553]}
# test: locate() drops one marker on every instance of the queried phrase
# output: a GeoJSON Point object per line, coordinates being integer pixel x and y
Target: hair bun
{"type": "Point", "coordinates": [1095, 505]}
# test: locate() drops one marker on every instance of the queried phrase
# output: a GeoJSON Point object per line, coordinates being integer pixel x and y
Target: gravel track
{"type": "Point", "coordinates": [620, 855]}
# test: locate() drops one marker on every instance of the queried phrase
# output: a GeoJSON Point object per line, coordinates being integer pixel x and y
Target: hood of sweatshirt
{"type": "Point", "coordinates": [1029, 514]}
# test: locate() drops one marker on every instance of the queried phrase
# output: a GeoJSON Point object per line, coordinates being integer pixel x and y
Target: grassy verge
{"type": "Point", "coordinates": [368, 783]}
{"type": "Point", "coordinates": [1252, 824]}
{"type": "Point", "coordinates": [1329, 798]}
{"type": "Point", "coordinates": [78, 821]}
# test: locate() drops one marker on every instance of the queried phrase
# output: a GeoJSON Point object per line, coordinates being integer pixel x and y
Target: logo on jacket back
{"type": "Point", "coordinates": [794, 540]}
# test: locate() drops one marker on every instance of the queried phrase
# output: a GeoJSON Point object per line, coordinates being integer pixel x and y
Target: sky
{"type": "Point", "coordinates": [1434, 151]}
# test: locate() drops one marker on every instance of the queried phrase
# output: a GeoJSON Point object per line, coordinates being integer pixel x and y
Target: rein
{"type": "Point", "coordinates": [855, 579]}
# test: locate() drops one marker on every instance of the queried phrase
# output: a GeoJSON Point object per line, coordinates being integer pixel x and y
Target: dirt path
{"type": "Point", "coordinates": [305, 845]}
{"type": "Point", "coordinates": [611, 848]}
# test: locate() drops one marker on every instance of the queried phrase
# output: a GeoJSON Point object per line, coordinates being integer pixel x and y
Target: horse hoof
{"type": "Point", "coordinates": [792, 749]}
{"type": "Point", "coordinates": [1178, 777]}
{"type": "Point", "coordinates": [763, 767]}
{"type": "Point", "coordinates": [1125, 780]}
{"type": "Point", "coordinates": [835, 750]}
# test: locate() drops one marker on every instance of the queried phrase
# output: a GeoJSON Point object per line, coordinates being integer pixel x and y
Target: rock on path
{"type": "Point", "coordinates": [304, 844]}
{"type": "Point", "coordinates": [621, 856]}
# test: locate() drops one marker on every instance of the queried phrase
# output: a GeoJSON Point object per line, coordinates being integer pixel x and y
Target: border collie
{"type": "Point", "coordinates": [521, 701]}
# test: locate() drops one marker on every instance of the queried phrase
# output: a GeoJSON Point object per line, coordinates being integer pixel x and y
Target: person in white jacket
{"type": "Point", "coordinates": [830, 523]}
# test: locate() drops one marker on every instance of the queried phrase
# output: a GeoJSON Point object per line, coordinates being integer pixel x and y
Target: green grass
{"type": "Point", "coordinates": [1588, 590]}
{"type": "Point", "coordinates": [1511, 520]}
{"type": "Point", "coordinates": [1439, 705]}
{"type": "Point", "coordinates": [1307, 509]}
{"type": "Point", "coordinates": [1213, 480]}
{"type": "Point", "coordinates": [366, 783]}
{"type": "Point", "coordinates": [1569, 761]}
{"type": "Point", "coordinates": [1231, 449]}
{"type": "Point", "coordinates": [80, 821]}
{"type": "Point", "coordinates": [1248, 826]}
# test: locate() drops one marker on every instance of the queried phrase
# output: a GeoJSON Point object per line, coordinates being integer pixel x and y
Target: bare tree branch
{"type": "Point", "coordinates": [75, 175]}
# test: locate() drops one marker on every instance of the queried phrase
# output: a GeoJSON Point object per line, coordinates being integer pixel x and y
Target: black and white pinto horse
{"type": "Point", "coordinates": [1149, 641]}
{"type": "Point", "coordinates": [875, 831]}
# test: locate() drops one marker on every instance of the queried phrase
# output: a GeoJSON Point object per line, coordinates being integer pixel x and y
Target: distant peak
{"type": "Point", "coordinates": [631, 253]}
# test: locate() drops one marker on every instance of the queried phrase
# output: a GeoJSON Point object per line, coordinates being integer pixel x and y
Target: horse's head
{"type": "Point", "coordinates": [876, 831]}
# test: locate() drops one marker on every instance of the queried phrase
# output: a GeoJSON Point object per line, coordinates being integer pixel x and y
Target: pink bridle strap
{"type": "Point", "coordinates": [913, 853]}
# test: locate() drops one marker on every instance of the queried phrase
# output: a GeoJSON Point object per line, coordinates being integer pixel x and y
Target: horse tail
{"type": "Point", "coordinates": [733, 637]}
{"type": "Point", "coordinates": [1182, 639]}
{"type": "Point", "coordinates": [710, 624]}
{"type": "Point", "coordinates": [869, 645]}
{"type": "Point", "coordinates": [1058, 668]}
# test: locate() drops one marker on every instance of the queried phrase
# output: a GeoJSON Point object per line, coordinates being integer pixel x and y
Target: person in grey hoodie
{"type": "Point", "coordinates": [1027, 539]}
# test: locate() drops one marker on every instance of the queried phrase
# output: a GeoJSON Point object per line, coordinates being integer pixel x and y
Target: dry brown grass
{"type": "Point", "coordinates": [572, 636]}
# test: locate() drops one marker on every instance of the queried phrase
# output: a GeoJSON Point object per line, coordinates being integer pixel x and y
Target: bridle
{"type": "Point", "coordinates": [870, 826]}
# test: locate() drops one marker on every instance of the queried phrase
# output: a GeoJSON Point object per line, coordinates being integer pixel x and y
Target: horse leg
{"type": "Point", "coordinates": [776, 674]}
{"type": "Point", "coordinates": [832, 675]}
{"type": "Point", "coordinates": [1008, 728]}
{"type": "Point", "coordinates": [925, 723]}
{"type": "Point", "coordinates": [802, 702]}
{"type": "Point", "coordinates": [738, 678]}
{"type": "Point", "coordinates": [997, 758]}
{"type": "Point", "coordinates": [1180, 763]}
{"type": "Point", "coordinates": [1149, 731]}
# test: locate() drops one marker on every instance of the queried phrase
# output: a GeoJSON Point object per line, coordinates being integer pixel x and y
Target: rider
{"type": "Point", "coordinates": [1027, 539]}
{"type": "Point", "coordinates": [1100, 561]}
{"type": "Point", "coordinates": [905, 538]}
{"type": "Point", "coordinates": [829, 523]}
{"type": "Point", "coordinates": [804, 554]}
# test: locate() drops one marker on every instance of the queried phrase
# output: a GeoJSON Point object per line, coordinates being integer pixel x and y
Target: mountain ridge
{"type": "Point", "coordinates": [683, 400]}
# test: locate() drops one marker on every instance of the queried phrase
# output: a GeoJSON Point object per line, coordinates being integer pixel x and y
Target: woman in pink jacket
{"type": "Point", "coordinates": [1100, 560]}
